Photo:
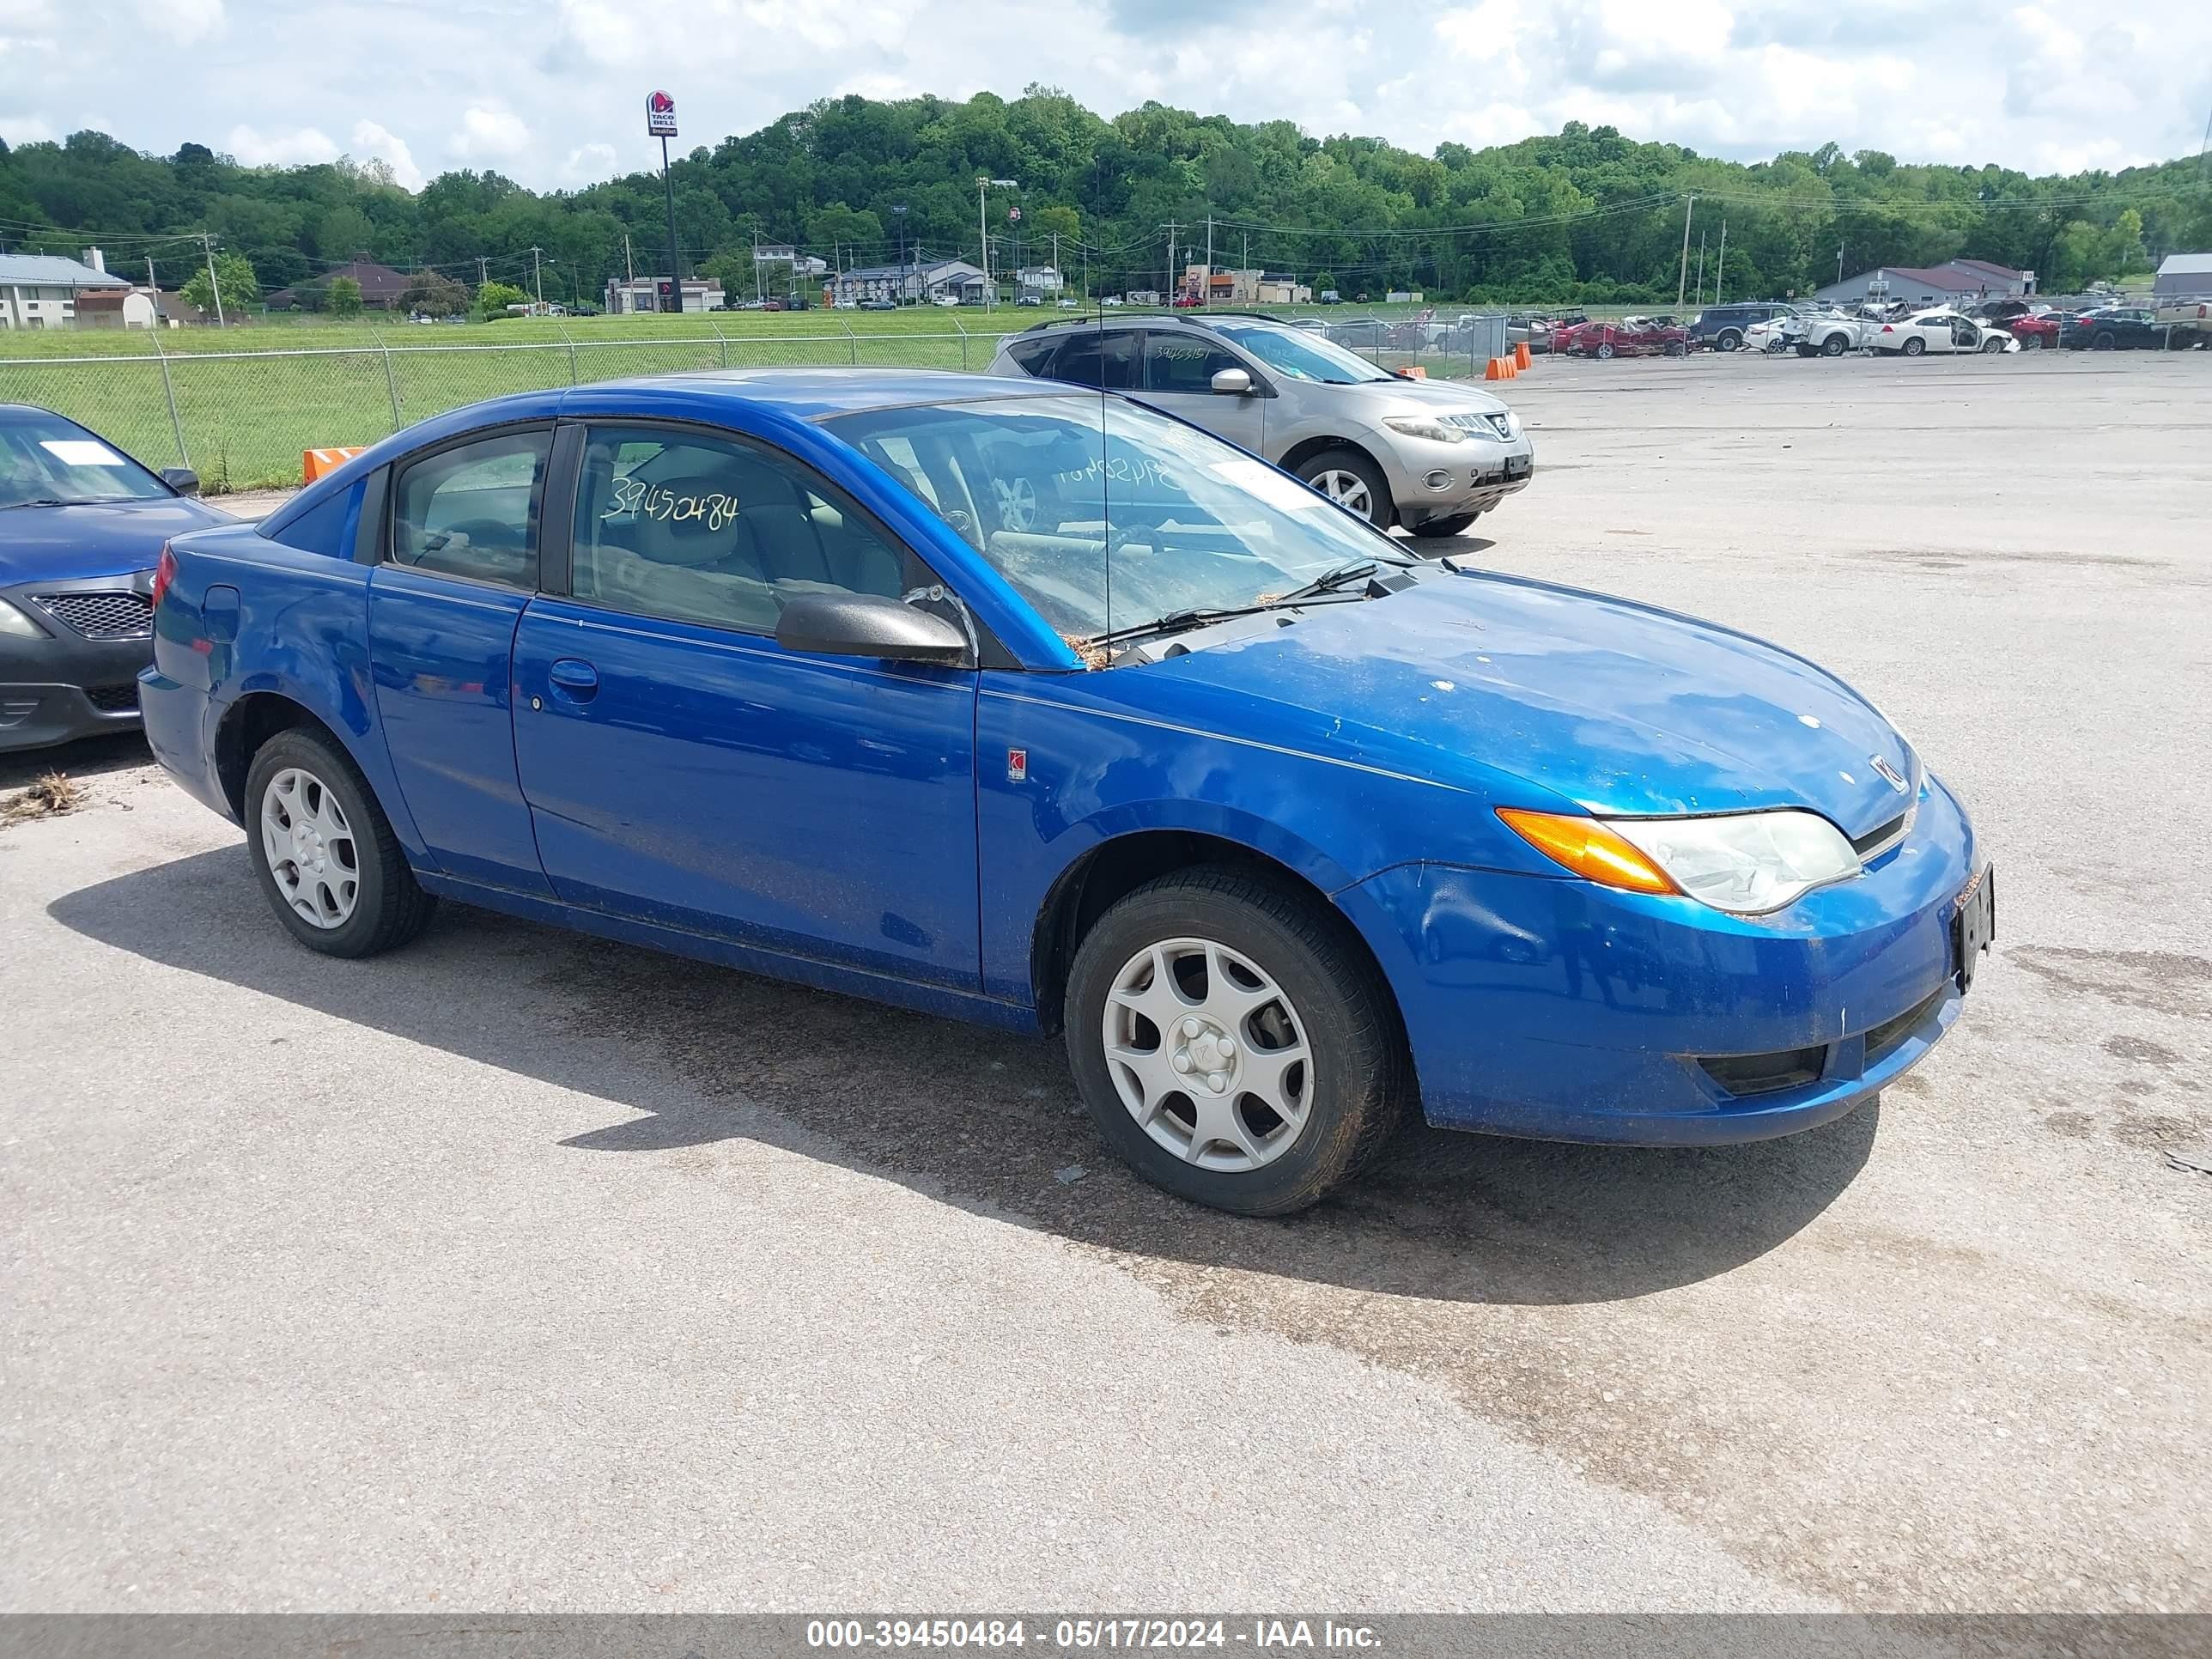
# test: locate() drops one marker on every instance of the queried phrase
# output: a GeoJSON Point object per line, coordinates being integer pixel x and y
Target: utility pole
{"type": "Point", "coordinates": [1722, 265]}
{"type": "Point", "coordinates": [630, 265]}
{"type": "Point", "coordinates": [899, 214]}
{"type": "Point", "coordinates": [1682, 280]}
{"type": "Point", "coordinates": [152, 282]}
{"type": "Point", "coordinates": [983, 234]}
{"type": "Point", "coordinates": [537, 276]}
{"type": "Point", "coordinates": [207, 246]}
{"type": "Point", "coordinates": [1701, 267]}
{"type": "Point", "coordinates": [758, 295]}
{"type": "Point", "coordinates": [1056, 260]}
{"type": "Point", "coordinates": [1168, 289]}
{"type": "Point", "coordinates": [1839, 262]}
{"type": "Point", "coordinates": [483, 270]}
{"type": "Point", "coordinates": [1206, 295]}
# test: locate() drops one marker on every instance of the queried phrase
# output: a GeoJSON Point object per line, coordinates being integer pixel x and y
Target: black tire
{"type": "Point", "coordinates": [1436, 529]}
{"type": "Point", "coordinates": [2105, 341]}
{"type": "Point", "coordinates": [1833, 346]}
{"type": "Point", "coordinates": [1914, 346]}
{"type": "Point", "coordinates": [390, 907]}
{"type": "Point", "coordinates": [2031, 343]}
{"type": "Point", "coordinates": [1728, 339]}
{"type": "Point", "coordinates": [1359, 1079]}
{"type": "Point", "coordinates": [1380, 510]}
{"type": "Point", "coordinates": [1804, 350]}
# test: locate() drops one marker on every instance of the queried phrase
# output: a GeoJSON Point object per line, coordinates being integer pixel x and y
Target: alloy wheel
{"type": "Point", "coordinates": [1208, 1055]}
{"type": "Point", "coordinates": [309, 847]}
{"type": "Point", "coordinates": [1347, 490]}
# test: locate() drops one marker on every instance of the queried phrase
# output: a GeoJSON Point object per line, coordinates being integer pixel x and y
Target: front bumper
{"type": "Point", "coordinates": [1476, 476]}
{"type": "Point", "coordinates": [1558, 1010]}
{"type": "Point", "coordinates": [63, 687]}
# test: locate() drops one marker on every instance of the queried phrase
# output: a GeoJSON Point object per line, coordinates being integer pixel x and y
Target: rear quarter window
{"type": "Point", "coordinates": [326, 527]}
{"type": "Point", "coordinates": [1034, 356]}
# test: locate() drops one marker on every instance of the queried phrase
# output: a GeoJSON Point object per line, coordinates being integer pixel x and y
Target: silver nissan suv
{"type": "Point", "coordinates": [1429, 455]}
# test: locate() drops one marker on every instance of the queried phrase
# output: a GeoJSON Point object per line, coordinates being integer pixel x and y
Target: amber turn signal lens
{"type": "Point", "coordinates": [1590, 849]}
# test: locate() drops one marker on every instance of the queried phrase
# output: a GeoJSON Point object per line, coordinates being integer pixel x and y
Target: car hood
{"type": "Point", "coordinates": [1396, 396]}
{"type": "Point", "coordinates": [99, 538]}
{"type": "Point", "coordinates": [1619, 707]}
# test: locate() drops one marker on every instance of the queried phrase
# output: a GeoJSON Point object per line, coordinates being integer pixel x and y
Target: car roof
{"type": "Point", "coordinates": [812, 393]}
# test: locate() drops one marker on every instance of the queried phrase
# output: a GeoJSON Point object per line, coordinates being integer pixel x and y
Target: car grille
{"type": "Point", "coordinates": [1884, 1038]}
{"type": "Point", "coordinates": [1881, 835]}
{"type": "Point", "coordinates": [115, 614]}
{"type": "Point", "coordinates": [1765, 1074]}
{"type": "Point", "coordinates": [113, 699]}
{"type": "Point", "coordinates": [1500, 425]}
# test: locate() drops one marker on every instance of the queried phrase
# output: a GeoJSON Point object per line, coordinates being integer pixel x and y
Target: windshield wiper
{"type": "Point", "coordinates": [1175, 622]}
{"type": "Point", "coordinates": [1329, 582]}
{"type": "Point", "coordinates": [46, 500]}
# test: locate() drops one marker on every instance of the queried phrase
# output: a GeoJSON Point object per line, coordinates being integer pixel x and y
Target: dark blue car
{"type": "Point", "coordinates": [80, 527]}
{"type": "Point", "coordinates": [1039, 708]}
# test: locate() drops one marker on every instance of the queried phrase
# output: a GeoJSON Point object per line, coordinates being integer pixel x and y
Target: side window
{"type": "Point", "coordinates": [1093, 358]}
{"type": "Point", "coordinates": [472, 511]}
{"type": "Point", "coordinates": [1034, 356]}
{"type": "Point", "coordinates": [1183, 363]}
{"type": "Point", "coordinates": [694, 528]}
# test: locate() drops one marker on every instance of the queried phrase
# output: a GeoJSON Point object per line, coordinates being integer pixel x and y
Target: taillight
{"type": "Point", "coordinates": [1886, 328]}
{"type": "Point", "coordinates": [164, 572]}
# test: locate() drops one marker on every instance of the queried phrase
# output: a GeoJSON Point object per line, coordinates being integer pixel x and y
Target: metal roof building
{"type": "Point", "coordinates": [2184, 275]}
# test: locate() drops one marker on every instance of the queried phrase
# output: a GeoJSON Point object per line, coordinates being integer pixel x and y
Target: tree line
{"type": "Point", "coordinates": [1585, 214]}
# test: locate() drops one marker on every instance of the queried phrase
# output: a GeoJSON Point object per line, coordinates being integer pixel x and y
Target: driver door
{"type": "Point", "coordinates": [1178, 377]}
{"type": "Point", "coordinates": [683, 768]}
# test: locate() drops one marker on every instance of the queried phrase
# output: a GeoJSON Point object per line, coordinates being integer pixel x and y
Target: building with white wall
{"type": "Point", "coordinates": [40, 290]}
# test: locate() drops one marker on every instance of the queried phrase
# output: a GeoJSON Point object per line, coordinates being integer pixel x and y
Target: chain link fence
{"type": "Point", "coordinates": [241, 419]}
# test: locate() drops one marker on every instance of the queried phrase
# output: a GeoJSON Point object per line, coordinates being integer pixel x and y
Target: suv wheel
{"type": "Point", "coordinates": [1832, 346]}
{"type": "Point", "coordinates": [1352, 481]}
{"type": "Point", "coordinates": [1431, 529]}
{"type": "Point", "coordinates": [1728, 339]}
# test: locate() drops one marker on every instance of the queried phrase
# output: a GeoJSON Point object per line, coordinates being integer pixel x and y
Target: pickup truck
{"type": "Point", "coordinates": [2186, 323]}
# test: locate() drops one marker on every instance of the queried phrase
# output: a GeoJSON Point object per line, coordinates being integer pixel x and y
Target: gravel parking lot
{"type": "Point", "coordinates": [520, 1271]}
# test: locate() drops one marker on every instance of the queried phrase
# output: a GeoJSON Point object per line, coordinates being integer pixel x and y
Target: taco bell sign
{"type": "Point", "coordinates": [660, 116]}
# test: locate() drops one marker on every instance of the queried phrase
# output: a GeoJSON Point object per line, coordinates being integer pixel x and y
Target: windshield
{"type": "Point", "coordinates": [1301, 356]}
{"type": "Point", "coordinates": [1103, 515]}
{"type": "Point", "coordinates": [44, 457]}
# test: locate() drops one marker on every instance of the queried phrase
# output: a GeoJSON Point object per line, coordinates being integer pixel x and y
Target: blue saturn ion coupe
{"type": "Point", "coordinates": [80, 527]}
{"type": "Point", "coordinates": [1043, 709]}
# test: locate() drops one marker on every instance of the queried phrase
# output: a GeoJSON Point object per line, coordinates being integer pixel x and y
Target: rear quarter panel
{"type": "Point", "coordinates": [300, 631]}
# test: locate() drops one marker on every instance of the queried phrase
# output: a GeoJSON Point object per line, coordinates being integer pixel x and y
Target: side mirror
{"type": "Point", "coordinates": [182, 479]}
{"type": "Point", "coordinates": [1232, 382]}
{"type": "Point", "coordinates": [869, 625]}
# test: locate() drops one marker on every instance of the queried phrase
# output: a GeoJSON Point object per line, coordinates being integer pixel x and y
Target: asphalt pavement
{"type": "Point", "coordinates": [519, 1271]}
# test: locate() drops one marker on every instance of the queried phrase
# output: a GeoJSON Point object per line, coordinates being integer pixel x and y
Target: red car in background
{"type": "Point", "coordinates": [1632, 336]}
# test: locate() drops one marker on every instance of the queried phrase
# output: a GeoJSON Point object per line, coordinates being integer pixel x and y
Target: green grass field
{"type": "Point", "coordinates": [249, 398]}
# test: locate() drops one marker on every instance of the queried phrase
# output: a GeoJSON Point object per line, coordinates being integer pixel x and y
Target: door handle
{"type": "Point", "coordinates": [574, 677]}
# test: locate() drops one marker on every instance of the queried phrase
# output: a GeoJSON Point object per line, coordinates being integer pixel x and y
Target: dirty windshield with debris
{"type": "Point", "coordinates": [1106, 517]}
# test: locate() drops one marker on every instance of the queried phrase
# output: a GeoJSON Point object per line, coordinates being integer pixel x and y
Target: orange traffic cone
{"type": "Point", "coordinates": [1496, 371]}
{"type": "Point", "coordinates": [1520, 356]}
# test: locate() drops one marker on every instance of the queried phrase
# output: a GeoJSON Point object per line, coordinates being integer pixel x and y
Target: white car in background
{"type": "Point", "coordinates": [1939, 330]}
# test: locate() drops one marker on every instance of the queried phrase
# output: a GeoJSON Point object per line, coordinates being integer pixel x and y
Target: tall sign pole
{"type": "Point", "coordinates": [1682, 280]}
{"type": "Point", "coordinates": [660, 123]}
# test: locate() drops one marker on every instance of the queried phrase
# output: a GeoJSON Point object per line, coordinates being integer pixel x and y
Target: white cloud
{"type": "Point", "coordinates": [371, 141]}
{"type": "Point", "coordinates": [490, 135]}
{"type": "Point", "coordinates": [182, 21]}
{"type": "Point", "coordinates": [25, 130]}
{"type": "Point", "coordinates": [300, 146]}
{"type": "Point", "coordinates": [589, 163]}
{"type": "Point", "coordinates": [2031, 82]}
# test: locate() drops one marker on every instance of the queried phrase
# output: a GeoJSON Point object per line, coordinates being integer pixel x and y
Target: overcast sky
{"type": "Point", "coordinates": [550, 92]}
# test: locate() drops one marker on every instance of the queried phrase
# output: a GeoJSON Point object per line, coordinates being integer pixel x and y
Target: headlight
{"type": "Point", "coordinates": [1745, 863]}
{"type": "Point", "coordinates": [16, 624]}
{"type": "Point", "coordinates": [1422, 426]}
